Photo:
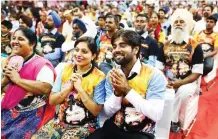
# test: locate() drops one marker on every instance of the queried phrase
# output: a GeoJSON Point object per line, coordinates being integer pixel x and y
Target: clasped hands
{"type": "Point", "coordinates": [174, 84]}
{"type": "Point", "coordinates": [11, 74]}
{"type": "Point", "coordinates": [76, 82]}
{"type": "Point", "coordinates": [119, 83]}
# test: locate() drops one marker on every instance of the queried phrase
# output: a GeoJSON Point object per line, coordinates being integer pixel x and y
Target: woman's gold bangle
{"type": "Point", "coordinates": [61, 96]}
{"type": "Point", "coordinates": [84, 100]}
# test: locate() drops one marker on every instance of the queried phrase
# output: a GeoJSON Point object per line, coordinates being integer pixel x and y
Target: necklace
{"type": "Point", "coordinates": [87, 72]}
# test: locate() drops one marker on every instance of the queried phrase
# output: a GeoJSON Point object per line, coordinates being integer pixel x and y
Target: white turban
{"type": "Point", "coordinates": [185, 15]}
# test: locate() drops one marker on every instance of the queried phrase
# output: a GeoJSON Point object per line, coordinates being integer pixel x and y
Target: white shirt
{"type": "Point", "coordinates": [201, 25]}
{"type": "Point", "coordinates": [67, 28]}
{"type": "Point", "coordinates": [45, 74]}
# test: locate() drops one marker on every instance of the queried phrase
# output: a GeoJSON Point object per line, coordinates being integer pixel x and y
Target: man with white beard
{"type": "Point", "coordinates": [182, 63]}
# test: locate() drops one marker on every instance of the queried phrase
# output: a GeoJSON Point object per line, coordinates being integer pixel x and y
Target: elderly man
{"type": "Point", "coordinates": [182, 62]}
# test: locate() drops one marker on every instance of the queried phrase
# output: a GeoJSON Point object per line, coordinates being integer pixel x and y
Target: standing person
{"type": "Point", "coordinates": [182, 63]}
{"type": "Point", "coordinates": [150, 50]}
{"type": "Point", "coordinates": [54, 55]}
{"type": "Point", "coordinates": [23, 113]}
{"type": "Point", "coordinates": [79, 89]}
{"type": "Point", "coordinates": [134, 93]}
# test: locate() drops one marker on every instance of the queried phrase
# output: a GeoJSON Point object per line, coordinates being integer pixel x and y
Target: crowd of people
{"type": "Point", "coordinates": [100, 70]}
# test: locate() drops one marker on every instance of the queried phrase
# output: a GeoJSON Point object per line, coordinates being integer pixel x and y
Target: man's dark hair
{"type": "Point", "coordinates": [210, 6]}
{"type": "Point", "coordinates": [91, 43]}
{"type": "Point", "coordinates": [7, 24]}
{"type": "Point", "coordinates": [162, 10]}
{"type": "Point", "coordinates": [118, 16]}
{"type": "Point", "coordinates": [130, 37]}
{"type": "Point", "coordinates": [101, 17]}
{"type": "Point", "coordinates": [116, 20]}
{"type": "Point", "coordinates": [29, 34]}
{"type": "Point", "coordinates": [212, 17]}
{"type": "Point", "coordinates": [142, 15]}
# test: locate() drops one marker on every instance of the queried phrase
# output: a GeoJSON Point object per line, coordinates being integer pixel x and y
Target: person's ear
{"type": "Point", "coordinates": [136, 50]}
{"type": "Point", "coordinates": [93, 57]}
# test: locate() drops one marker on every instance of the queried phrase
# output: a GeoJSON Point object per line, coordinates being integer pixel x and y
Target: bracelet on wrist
{"type": "Point", "coordinates": [84, 100]}
{"type": "Point", "coordinates": [60, 95]}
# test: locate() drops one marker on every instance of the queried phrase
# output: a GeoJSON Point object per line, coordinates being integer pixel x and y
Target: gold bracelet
{"type": "Point", "coordinates": [84, 100]}
{"type": "Point", "coordinates": [61, 96]}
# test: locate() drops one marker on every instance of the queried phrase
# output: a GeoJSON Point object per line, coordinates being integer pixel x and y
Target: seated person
{"type": "Point", "coordinates": [79, 89]}
{"type": "Point", "coordinates": [6, 49]}
{"type": "Point", "coordinates": [209, 42]}
{"type": "Point", "coordinates": [82, 26]}
{"type": "Point", "coordinates": [23, 113]}
{"type": "Point", "coordinates": [182, 63]}
{"type": "Point", "coordinates": [134, 93]}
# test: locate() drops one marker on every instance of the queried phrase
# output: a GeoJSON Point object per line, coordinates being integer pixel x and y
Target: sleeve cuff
{"type": "Point", "coordinates": [116, 99]}
{"type": "Point", "coordinates": [133, 97]}
{"type": "Point", "coordinates": [198, 68]}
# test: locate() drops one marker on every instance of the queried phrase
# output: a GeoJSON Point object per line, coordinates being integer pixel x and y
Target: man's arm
{"type": "Point", "coordinates": [112, 103]}
{"type": "Point", "coordinates": [42, 85]}
{"type": "Point", "coordinates": [211, 54]}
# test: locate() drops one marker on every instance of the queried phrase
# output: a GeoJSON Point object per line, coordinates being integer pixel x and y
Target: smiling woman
{"type": "Point", "coordinates": [79, 89]}
{"type": "Point", "coordinates": [23, 113]}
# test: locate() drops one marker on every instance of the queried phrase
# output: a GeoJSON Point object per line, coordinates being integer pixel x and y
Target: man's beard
{"type": "Point", "coordinates": [206, 14]}
{"type": "Point", "coordinates": [47, 26]}
{"type": "Point", "coordinates": [140, 31]}
{"type": "Point", "coordinates": [179, 34]}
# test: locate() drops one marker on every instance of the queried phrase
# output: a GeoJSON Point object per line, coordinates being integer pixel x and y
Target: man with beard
{"type": "Point", "coordinates": [52, 23]}
{"type": "Point", "coordinates": [181, 48]}
{"type": "Point", "coordinates": [136, 88]}
{"type": "Point", "coordinates": [82, 26]}
{"type": "Point", "coordinates": [201, 25]}
{"type": "Point", "coordinates": [149, 51]}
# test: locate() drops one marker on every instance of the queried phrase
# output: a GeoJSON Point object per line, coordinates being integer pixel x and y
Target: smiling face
{"type": "Point", "coordinates": [21, 45]}
{"type": "Point", "coordinates": [110, 24]}
{"type": "Point", "coordinates": [140, 24]}
{"type": "Point", "coordinates": [207, 11]}
{"type": "Point", "coordinates": [154, 18]}
{"type": "Point", "coordinates": [123, 53]}
{"type": "Point", "coordinates": [82, 54]}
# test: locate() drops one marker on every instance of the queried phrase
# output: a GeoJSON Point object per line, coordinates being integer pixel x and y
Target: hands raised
{"type": "Point", "coordinates": [119, 83]}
